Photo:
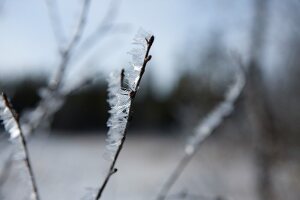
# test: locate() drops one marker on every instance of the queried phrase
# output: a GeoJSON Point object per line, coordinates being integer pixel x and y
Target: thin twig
{"type": "Point", "coordinates": [43, 108]}
{"type": "Point", "coordinates": [104, 26]}
{"type": "Point", "coordinates": [56, 23]}
{"type": "Point", "coordinates": [65, 54]}
{"type": "Point", "coordinates": [174, 176]}
{"type": "Point", "coordinates": [13, 126]}
{"type": "Point", "coordinates": [112, 168]}
{"type": "Point", "coordinates": [107, 25]}
{"type": "Point", "coordinates": [214, 119]}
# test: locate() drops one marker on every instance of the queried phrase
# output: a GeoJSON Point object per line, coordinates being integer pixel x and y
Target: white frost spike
{"type": "Point", "coordinates": [119, 102]}
{"type": "Point", "coordinates": [137, 57]}
{"type": "Point", "coordinates": [12, 126]}
{"type": "Point", "coordinates": [9, 121]}
{"type": "Point", "coordinates": [119, 99]}
{"type": "Point", "coordinates": [216, 116]}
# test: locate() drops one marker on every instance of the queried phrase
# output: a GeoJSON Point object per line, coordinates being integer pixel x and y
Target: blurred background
{"type": "Point", "coordinates": [255, 152]}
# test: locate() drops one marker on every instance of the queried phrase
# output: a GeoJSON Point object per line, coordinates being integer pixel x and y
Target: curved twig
{"type": "Point", "coordinates": [12, 126]}
{"type": "Point", "coordinates": [206, 127]}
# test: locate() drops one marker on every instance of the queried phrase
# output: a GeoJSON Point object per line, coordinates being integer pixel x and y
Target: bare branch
{"type": "Point", "coordinates": [80, 27]}
{"type": "Point", "coordinates": [65, 54]}
{"type": "Point", "coordinates": [12, 126]}
{"type": "Point", "coordinates": [56, 23]}
{"type": "Point", "coordinates": [106, 25]}
{"type": "Point", "coordinates": [53, 99]}
{"type": "Point", "coordinates": [206, 127]}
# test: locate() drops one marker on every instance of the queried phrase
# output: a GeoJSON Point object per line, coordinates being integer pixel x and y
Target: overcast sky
{"type": "Point", "coordinates": [28, 46]}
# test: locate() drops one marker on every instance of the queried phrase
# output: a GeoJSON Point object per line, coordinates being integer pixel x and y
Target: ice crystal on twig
{"type": "Point", "coordinates": [11, 124]}
{"type": "Point", "coordinates": [119, 102]}
{"type": "Point", "coordinates": [122, 89]}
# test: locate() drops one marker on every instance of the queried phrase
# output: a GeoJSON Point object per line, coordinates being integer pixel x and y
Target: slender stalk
{"type": "Point", "coordinates": [206, 127]}
{"type": "Point", "coordinates": [174, 176]}
{"type": "Point", "coordinates": [105, 26]}
{"type": "Point", "coordinates": [43, 108]}
{"type": "Point", "coordinates": [29, 168]}
{"type": "Point", "coordinates": [56, 23]}
{"type": "Point", "coordinates": [65, 53]}
{"type": "Point", "coordinates": [112, 170]}
{"type": "Point", "coordinates": [24, 147]}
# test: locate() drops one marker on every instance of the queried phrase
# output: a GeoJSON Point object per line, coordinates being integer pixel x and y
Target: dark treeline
{"type": "Point", "coordinates": [87, 109]}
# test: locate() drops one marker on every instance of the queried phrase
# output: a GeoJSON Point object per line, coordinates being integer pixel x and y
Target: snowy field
{"type": "Point", "coordinates": [67, 166]}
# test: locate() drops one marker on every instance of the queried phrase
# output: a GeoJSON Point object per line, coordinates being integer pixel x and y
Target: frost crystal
{"type": "Point", "coordinates": [119, 94]}
{"type": "Point", "coordinates": [9, 121]}
{"type": "Point", "coordinates": [12, 126]}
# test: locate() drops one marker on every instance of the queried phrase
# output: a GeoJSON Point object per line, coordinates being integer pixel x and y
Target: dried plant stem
{"type": "Point", "coordinates": [53, 87]}
{"type": "Point", "coordinates": [23, 145]}
{"type": "Point", "coordinates": [65, 53]}
{"type": "Point", "coordinates": [174, 176]}
{"type": "Point", "coordinates": [213, 120]}
{"type": "Point", "coordinates": [44, 110]}
{"type": "Point", "coordinates": [112, 170]}
{"type": "Point", "coordinates": [29, 168]}
{"type": "Point", "coordinates": [56, 22]}
{"type": "Point", "coordinates": [103, 28]}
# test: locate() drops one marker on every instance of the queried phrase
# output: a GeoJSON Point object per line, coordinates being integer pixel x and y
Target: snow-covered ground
{"type": "Point", "coordinates": [65, 166]}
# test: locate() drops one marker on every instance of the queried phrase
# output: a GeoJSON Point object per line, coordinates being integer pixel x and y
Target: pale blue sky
{"type": "Point", "coordinates": [27, 44]}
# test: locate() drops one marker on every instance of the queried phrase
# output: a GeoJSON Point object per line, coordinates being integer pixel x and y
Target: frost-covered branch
{"type": "Point", "coordinates": [205, 128]}
{"type": "Point", "coordinates": [11, 124]}
{"type": "Point", "coordinates": [53, 96]}
{"type": "Point", "coordinates": [122, 90]}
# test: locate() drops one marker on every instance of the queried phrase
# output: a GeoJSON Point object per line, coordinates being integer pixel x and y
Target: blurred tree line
{"type": "Point", "coordinates": [87, 108]}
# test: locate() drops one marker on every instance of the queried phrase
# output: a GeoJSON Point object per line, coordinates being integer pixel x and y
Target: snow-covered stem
{"type": "Point", "coordinates": [53, 97]}
{"type": "Point", "coordinates": [119, 125]}
{"type": "Point", "coordinates": [12, 126]}
{"type": "Point", "coordinates": [205, 128]}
